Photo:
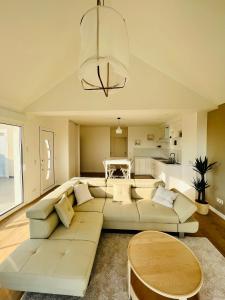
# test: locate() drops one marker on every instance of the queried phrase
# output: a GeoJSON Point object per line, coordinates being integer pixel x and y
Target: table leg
{"type": "Point", "coordinates": [129, 279]}
{"type": "Point", "coordinates": [106, 173]}
{"type": "Point", "coordinates": [129, 170]}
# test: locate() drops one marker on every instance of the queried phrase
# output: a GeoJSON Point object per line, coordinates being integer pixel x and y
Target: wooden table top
{"type": "Point", "coordinates": [165, 264]}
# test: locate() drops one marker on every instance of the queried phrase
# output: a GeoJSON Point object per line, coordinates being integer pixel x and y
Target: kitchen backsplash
{"type": "Point", "coordinates": [158, 152]}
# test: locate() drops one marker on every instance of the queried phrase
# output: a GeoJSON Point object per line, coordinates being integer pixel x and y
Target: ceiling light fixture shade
{"type": "Point", "coordinates": [104, 55]}
{"type": "Point", "coordinates": [119, 129]}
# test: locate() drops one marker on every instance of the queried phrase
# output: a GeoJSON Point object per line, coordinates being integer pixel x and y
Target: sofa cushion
{"type": "Point", "coordinates": [117, 211]}
{"type": "Point", "coordinates": [96, 204]}
{"type": "Point", "coordinates": [49, 266]}
{"type": "Point", "coordinates": [98, 192]}
{"type": "Point", "coordinates": [43, 208]}
{"type": "Point", "coordinates": [164, 197]}
{"type": "Point", "coordinates": [94, 182]}
{"type": "Point", "coordinates": [142, 192]}
{"type": "Point", "coordinates": [85, 226]}
{"type": "Point", "coordinates": [153, 212]}
{"type": "Point", "coordinates": [122, 193]}
{"type": "Point", "coordinates": [112, 181]}
{"type": "Point", "coordinates": [82, 193]}
{"type": "Point", "coordinates": [64, 211]}
{"type": "Point", "coordinates": [42, 229]}
{"type": "Point", "coordinates": [149, 183]}
{"type": "Point", "coordinates": [71, 198]}
{"type": "Point", "coordinates": [184, 207]}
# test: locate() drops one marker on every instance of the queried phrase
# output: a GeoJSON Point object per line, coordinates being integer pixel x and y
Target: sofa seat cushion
{"type": "Point", "coordinates": [84, 226]}
{"type": "Point", "coordinates": [96, 205]}
{"type": "Point", "coordinates": [49, 266]}
{"type": "Point", "coordinates": [117, 211]}
{"type": "Point", "coordinates": [156, 213]}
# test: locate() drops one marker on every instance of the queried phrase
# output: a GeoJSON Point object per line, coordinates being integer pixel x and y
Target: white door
{"type": "Point", "coordinates": [47, 160]}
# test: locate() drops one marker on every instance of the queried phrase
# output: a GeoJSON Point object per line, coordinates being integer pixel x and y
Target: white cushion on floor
{"type": "Point", "coordinates": [49, 266]}
{"type": "Point", "coordinates": [84, 226]}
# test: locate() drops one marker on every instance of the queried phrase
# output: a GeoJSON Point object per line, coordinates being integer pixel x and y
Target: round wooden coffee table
{"type": "Point", "coordinates": [161, 267]}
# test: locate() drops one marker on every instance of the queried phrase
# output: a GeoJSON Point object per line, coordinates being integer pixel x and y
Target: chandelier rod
{"type": "Point", "coordinates": [99, 2]}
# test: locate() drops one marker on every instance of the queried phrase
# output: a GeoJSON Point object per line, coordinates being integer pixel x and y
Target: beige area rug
{"type": "Point", "coordinates": [109, 274]}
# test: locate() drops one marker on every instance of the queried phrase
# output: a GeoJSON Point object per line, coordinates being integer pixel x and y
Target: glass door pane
{"type": "Point", "coordinates": [11, 183]}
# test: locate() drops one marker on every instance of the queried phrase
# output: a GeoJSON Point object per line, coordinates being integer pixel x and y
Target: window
{"type": "Point", "coordinates": [11, 183]}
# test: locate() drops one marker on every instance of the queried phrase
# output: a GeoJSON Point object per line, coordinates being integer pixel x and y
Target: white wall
{"type": "Point", "coordinates": [193, 144]}
{"type": "Point", "coordinates": [95, 147]}
{"type": "Point", "coordinates": [175, 126]}
{"type": "Point", "coordinates": [146, 146]}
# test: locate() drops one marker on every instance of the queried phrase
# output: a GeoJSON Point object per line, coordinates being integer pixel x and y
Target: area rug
{"type": "Point", "coordinates": [109, 274]}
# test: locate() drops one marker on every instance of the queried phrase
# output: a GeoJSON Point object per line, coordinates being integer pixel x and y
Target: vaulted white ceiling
{"type": "Point", "coordinates": [177, 56]}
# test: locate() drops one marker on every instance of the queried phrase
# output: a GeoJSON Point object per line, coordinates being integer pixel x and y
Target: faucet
{"type": "Point", "coordinates": [172, 158]}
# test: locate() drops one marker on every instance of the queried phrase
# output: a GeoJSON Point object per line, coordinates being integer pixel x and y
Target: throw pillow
{"type": "Point", "coordinates": [64, 211]}
{"type": "Point", "coordinates": [122, 193]}
{"type": "Point", "coordinates": [164, 197]}
{"type": "Point", "coordinates": [82, 193]}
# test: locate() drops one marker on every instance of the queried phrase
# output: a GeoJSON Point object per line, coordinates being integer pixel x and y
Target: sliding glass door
{"type": "Point", "coordinates": [11, 181]}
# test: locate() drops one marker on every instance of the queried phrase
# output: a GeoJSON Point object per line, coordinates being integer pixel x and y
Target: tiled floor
{"type": "Point", "coordinates": [7, 200]}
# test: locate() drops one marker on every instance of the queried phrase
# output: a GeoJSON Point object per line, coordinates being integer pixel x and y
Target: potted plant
{"type": "Point", "coordinates": [202, 166]}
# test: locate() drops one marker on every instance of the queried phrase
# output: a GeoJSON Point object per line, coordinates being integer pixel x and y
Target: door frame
{"type": "Point", "coordinates": [21, 126]}
{"type": "Point", "coordinates": [53, 160]}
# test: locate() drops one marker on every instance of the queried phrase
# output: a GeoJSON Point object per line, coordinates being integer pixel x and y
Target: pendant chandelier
{"type": "Point", "coordinates": [119, 129]}
{"type": "Point", "coordinates": [104, 55]}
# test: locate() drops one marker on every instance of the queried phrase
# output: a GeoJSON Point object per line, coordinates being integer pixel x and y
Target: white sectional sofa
{"type": "Point", "coordinates": [59, 260]}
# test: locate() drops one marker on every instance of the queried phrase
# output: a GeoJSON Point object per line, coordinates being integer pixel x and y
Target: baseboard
{"type": "Point", "coordinates": [217, 212]}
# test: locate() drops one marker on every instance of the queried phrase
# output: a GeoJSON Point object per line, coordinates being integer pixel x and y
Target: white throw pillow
{"type": "Point", "coordinates": [164, 197]}
{"type": "Point", "coordinates": [64, 211]}
{"type": "Point", "coordinates": [122, 193]}
{"type": "Point", "coordinates": [82, 193]}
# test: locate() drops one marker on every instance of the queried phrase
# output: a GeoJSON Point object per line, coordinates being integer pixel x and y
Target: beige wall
{"type": "Point", "coordinates": [216, 152]}
{"type": "Point", "coordinates": [95, 147]}
{"type": "Point", "coordinates": [30, 139]}
{"type": "Point", "coordinates": [74, 150]}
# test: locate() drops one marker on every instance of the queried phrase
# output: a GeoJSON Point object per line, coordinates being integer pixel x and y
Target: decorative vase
{"type": "Point", "coordinates": [202, 208]}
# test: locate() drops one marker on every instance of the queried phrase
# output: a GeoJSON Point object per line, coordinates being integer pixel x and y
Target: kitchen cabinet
{"type": "Point", "coordinates": [142, 166]}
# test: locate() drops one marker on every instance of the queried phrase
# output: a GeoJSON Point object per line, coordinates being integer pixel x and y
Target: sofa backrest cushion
{"type": "Point", "coordinates": [112, 182]}
{"type": "Point", "coordinates": [42, 229]}
{"type": "Point", "coordinates": [142, 193]}
{"type": "Point", "coordinates": [42, 209]}
{"type": "Point", "coordinates": [98, 192]}
{"type": "Point", "coordinates": [65, 211]}
{"type": "Point", "coordinates": [92, 182]}
{"type": "Point", "coordinates": [122, 193]}
{"type": "Point", "coordinates": [148, 183]}
{"type": "Point", "coordinates": [183, 206]}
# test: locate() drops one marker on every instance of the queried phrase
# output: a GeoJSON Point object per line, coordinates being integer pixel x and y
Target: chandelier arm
{"type": "Point", "coordinates": [106, 92]}
{"type": "Point", "coordinates": [94, 87]}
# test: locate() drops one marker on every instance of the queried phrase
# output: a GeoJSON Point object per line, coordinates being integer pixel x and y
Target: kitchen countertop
{"type": "Point", "coordinates": [163, 160]}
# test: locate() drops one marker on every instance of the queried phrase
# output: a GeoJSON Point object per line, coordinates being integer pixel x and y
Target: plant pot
{"type": "Point", "coordinates": [202, 208]}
